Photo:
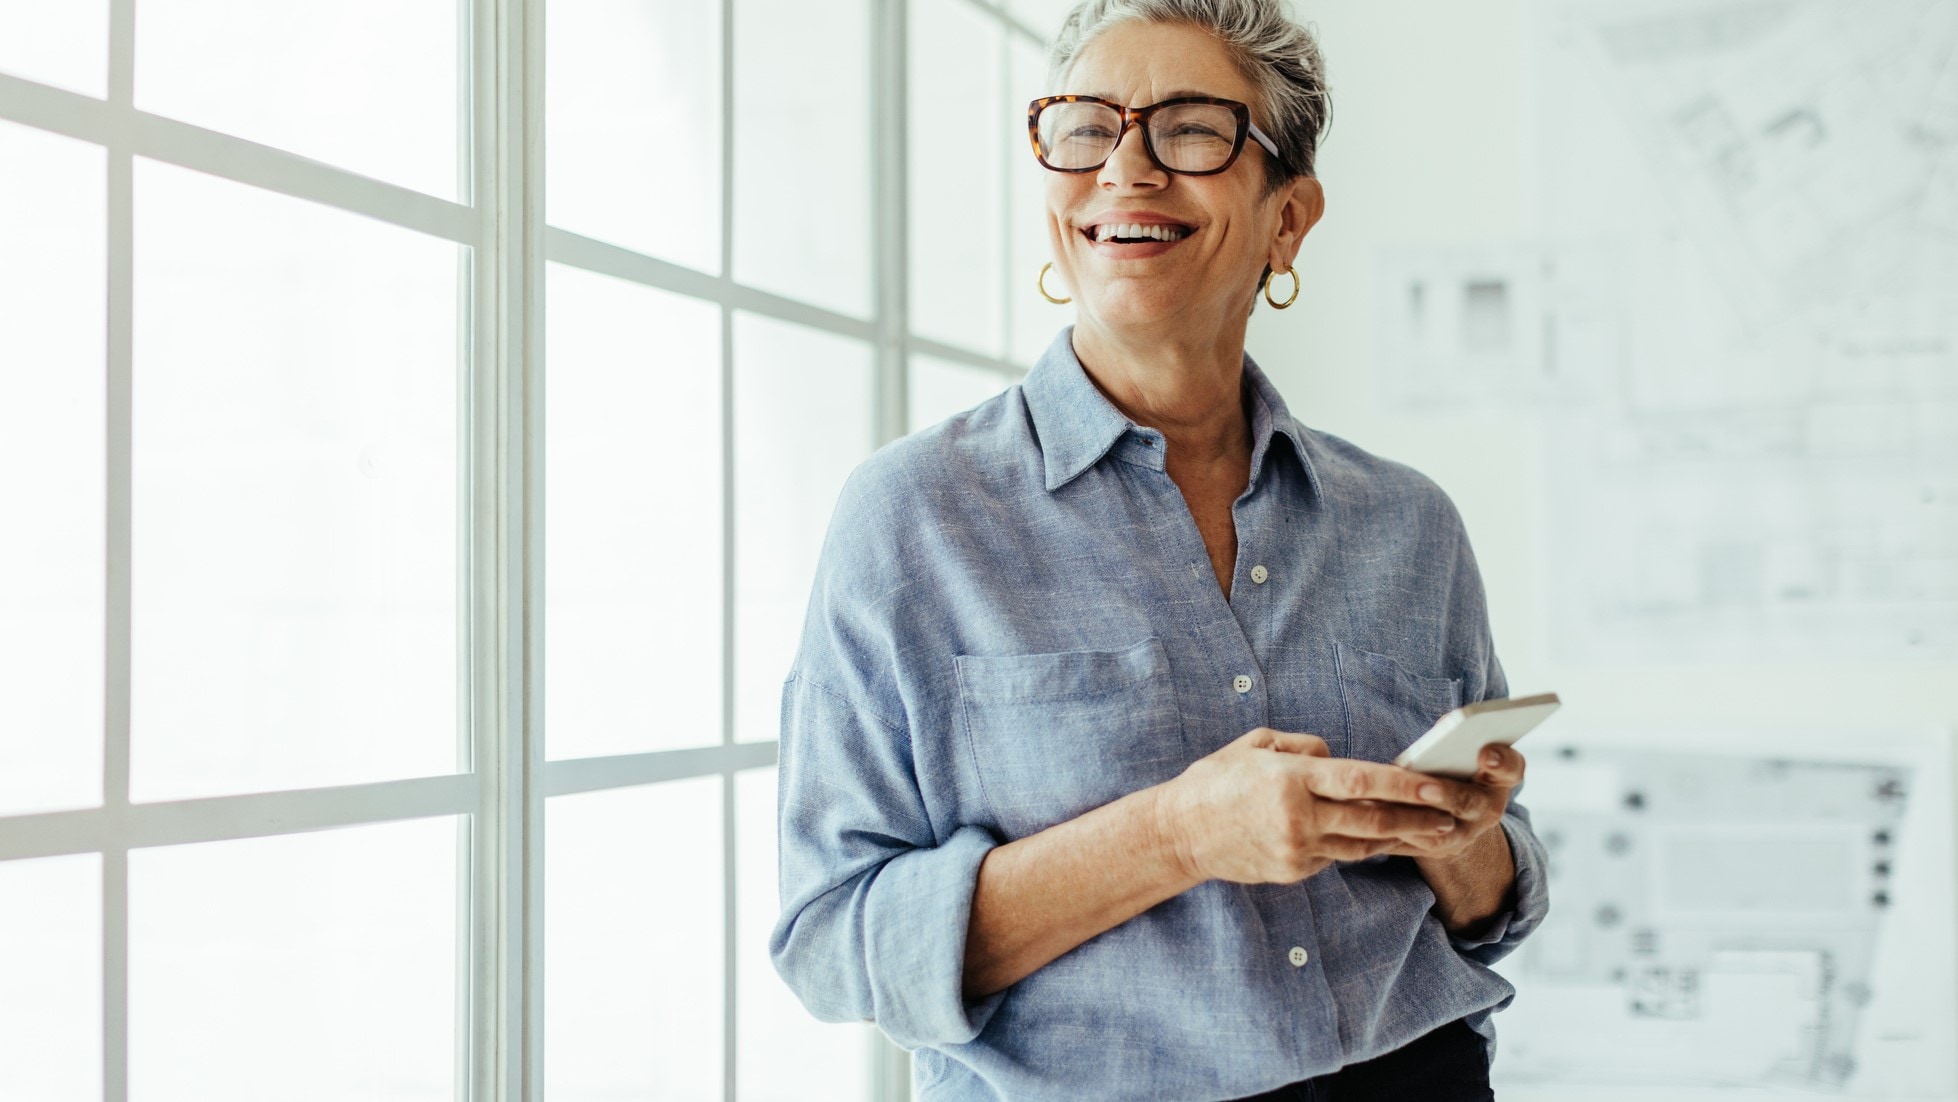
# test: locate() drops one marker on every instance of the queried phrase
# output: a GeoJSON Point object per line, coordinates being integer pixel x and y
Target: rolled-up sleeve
{"type": "Point", "coordinates": [1532, 898]}
{"type": "Point", "coordinates": [1532, 894]}
{"type": "Point", "coordinates": [876, 901]}
{"type": "Point", "coordinates": [874, 909]}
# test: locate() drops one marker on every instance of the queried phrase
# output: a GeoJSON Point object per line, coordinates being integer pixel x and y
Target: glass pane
{"type": "Point", "coordinates": [295, 494]}
{"type": "Point", "coordinates": [51, 973]}
{"type": "Point", "coordinates": [369, 85]}
{"type": "Point", "coordinates": [802, 150]}
{"type": "Point", "coordinates": [65, 44]}
{"type": "Point", "coordinates": [323, 962]}
{"type": "Point", "coordinates": [633, 517]}
{"type": "Point", "coordinates": [940, 388]}
{"type": "Point", "coordinates": [634, 944]}
{"type": "Point", "coordinates": [632, 114]}
{"type": "Point", "coordinates": [958, 133]}
{"type": "Point", "coordinates": [52, 239]}
{"type": "Point", "coordinates": [1033, 320]}
{"type": "Point", "coordinates": [783, 1054]}
{"type": "Point", "coordinates": [805, 405]}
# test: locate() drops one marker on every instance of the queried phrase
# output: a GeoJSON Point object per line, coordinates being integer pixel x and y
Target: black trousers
{"type": "Point", "coordinates": [1444, 1065]}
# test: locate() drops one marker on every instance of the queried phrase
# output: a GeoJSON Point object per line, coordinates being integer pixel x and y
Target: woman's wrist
{"type": "Point", "coordinates": [1473, 887]}
{"type": "Point", "coordinates": [1170, 841]}
{"type": "Point", "coordinates": [1039, 896]}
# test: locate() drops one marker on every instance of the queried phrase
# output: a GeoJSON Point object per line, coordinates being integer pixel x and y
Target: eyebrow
{"type": "Point", "coordinates": [1177, 94]}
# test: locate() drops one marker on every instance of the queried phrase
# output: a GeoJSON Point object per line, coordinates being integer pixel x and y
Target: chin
{"type": "Point", "coordinates": [1134, 307]}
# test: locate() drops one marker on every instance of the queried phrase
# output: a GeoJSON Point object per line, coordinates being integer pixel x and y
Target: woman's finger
{"type": "Point", "coordinates": [1340, 847]}
{"type": "Point", "coordinates": [1352, 779]}
{"type": "Point", "coordinates": [1368, 819]}
{"type": "Point", "coordinates": [1290, 742]}
{"type": "Point", "coordinates": [1500, 765]}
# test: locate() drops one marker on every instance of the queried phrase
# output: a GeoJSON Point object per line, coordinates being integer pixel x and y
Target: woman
{"type": "Point", "coordinates": [1083, 775]}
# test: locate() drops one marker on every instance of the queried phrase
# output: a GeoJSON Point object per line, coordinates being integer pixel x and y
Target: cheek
{"type": "Point", "coordinates": [1242, 225]}
{"type": "Point", "coordinates": [1066, 194]}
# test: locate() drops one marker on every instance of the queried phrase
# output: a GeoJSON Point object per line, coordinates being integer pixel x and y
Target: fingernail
{"type": "Point", "coordinates": [1491, 758]}
{"type": "Point", "coordinates": [1430, 792]}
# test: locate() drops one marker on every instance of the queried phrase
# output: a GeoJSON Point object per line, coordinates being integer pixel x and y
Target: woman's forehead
{"type": "Point", "coordinates": [1140, 63]}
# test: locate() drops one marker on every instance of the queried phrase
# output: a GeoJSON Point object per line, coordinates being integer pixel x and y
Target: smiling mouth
{"type": "Point", "coordinates": [1129, 233]}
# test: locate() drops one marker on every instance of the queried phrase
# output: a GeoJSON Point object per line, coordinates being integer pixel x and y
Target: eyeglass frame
{"type": "Point", "coordinates": [1138, 117]}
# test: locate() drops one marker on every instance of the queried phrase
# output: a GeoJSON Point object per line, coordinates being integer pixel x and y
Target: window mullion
{"type": "Point", "coordinates": [890, 188]}
{"type": "Point", "coordinates": [891, 196]}
{"type": "Point", "coordinates": [730, 1009]}
{"type": "Point", "coordinates": [505, 554]}
{"type": "Point", "coordinates": [119, 548]}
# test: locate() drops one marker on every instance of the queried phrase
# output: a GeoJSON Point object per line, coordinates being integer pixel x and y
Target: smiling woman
{"type": "Point", "coordinates": [1059, 805]}
{"type": "Point", "coordinates": [1195, 287]}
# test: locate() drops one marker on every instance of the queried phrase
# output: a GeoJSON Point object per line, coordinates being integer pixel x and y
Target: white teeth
{"type": "Point", "coordinates": [1157, 231]}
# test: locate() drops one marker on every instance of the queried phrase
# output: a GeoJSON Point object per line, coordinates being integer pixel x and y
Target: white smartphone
{"type": "Point", "coordinates": [1453, 746]}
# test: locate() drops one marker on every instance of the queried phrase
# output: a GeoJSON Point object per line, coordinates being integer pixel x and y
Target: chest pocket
{"type": "Point", "coordinates": [1055, 735]}
{"type": "Point", "coordinates": [1387, 705]}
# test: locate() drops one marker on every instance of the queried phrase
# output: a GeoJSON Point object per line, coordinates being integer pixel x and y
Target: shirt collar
{"type": "Point", "coordinates": [1077, 425]}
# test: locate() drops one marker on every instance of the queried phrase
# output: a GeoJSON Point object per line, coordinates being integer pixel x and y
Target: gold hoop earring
{"type": "Point", "coordinates": [1275, 304]}
{"type": "Point", "coordinates": [1040, 283]}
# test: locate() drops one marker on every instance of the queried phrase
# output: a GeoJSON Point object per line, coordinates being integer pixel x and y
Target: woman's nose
{"type": "Point", "coordinates": [1129, 163]}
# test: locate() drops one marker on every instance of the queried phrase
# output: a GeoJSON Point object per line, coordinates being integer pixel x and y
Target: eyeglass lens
{"type": "Point", "coordinates": [1187, 137]}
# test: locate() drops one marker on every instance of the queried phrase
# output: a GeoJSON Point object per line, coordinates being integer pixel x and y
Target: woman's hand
{"type": "Point", "coordinates": [1276, 807]}
{"type": "Point", "coordinates": [1477, 803]}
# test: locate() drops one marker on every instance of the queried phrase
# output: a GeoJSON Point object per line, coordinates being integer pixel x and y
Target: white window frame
{"type": "Point", "coordinates": [504, 784]}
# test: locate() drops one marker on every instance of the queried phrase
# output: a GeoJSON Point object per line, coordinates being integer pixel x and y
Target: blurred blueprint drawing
{"type": "Point", "coordinates": [1739, 920]}
{"type": "Point", "coordinates": [1739, 319]}
{"type": "Point", "coordinates": [1776, 474]}
{"type": "Point", "coordinates": [1504, 321]}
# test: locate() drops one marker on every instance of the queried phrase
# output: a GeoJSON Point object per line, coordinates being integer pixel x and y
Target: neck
{"type": "Point", "coordinates": [1190, 390]}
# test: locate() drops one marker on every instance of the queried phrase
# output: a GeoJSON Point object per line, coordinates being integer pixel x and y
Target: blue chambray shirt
{"type": "Point", "coordinates": [1014, 621]}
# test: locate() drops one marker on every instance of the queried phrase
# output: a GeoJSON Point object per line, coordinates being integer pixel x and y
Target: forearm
{"type": "Point", "coordinates": [1475, 886]}
{"type": "Point", "coordinates": [1042, 895]}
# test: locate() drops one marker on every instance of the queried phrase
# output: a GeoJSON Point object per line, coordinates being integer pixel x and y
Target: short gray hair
{"type": "Point", "coordinates": [1277, 55]}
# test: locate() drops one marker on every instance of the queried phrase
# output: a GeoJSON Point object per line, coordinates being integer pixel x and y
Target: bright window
{"type": "Point", "coordinates": [424, 420]}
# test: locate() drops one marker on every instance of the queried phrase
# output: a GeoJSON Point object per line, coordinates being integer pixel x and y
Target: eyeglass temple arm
{"type": "Point", "coordinates": [1263, 139]}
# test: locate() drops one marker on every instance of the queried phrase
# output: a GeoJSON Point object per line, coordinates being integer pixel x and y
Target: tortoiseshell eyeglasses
{"type": "Point", "coordinates": [1190, 135]}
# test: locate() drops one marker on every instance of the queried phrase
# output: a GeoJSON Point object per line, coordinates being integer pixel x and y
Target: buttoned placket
{"type": "Point", "coordinates": [1229, 630]}
{"type": "Point", "coordinates": [1246, 602]}
{"type": "Point", "coordinates": [1237, 671]}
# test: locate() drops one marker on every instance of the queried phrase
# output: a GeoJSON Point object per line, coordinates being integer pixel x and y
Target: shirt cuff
{"type": "Point", "coordinates": [1509, 928]}
{"type": "Point", "coordinates": [917, 912]}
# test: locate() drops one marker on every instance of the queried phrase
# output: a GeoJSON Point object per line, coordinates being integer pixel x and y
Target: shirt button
{"type": "Point", "coordinates": [1259, 574]}
{"type": "Point", "coordinates": [1297, 957]}
{"type": "Point", "coordinates": [1242, 683]}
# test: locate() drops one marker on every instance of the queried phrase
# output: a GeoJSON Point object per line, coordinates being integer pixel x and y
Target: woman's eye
{"type": "Point", "coordinates": [1088, 133]}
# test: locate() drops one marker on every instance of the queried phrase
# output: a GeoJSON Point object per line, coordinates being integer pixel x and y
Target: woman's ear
{"type": "Point", "coordinates": [1301, 203]}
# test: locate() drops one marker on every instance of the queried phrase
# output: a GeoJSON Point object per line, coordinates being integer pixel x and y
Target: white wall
{"type": "Point", "coordinates": [1432, 143]}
